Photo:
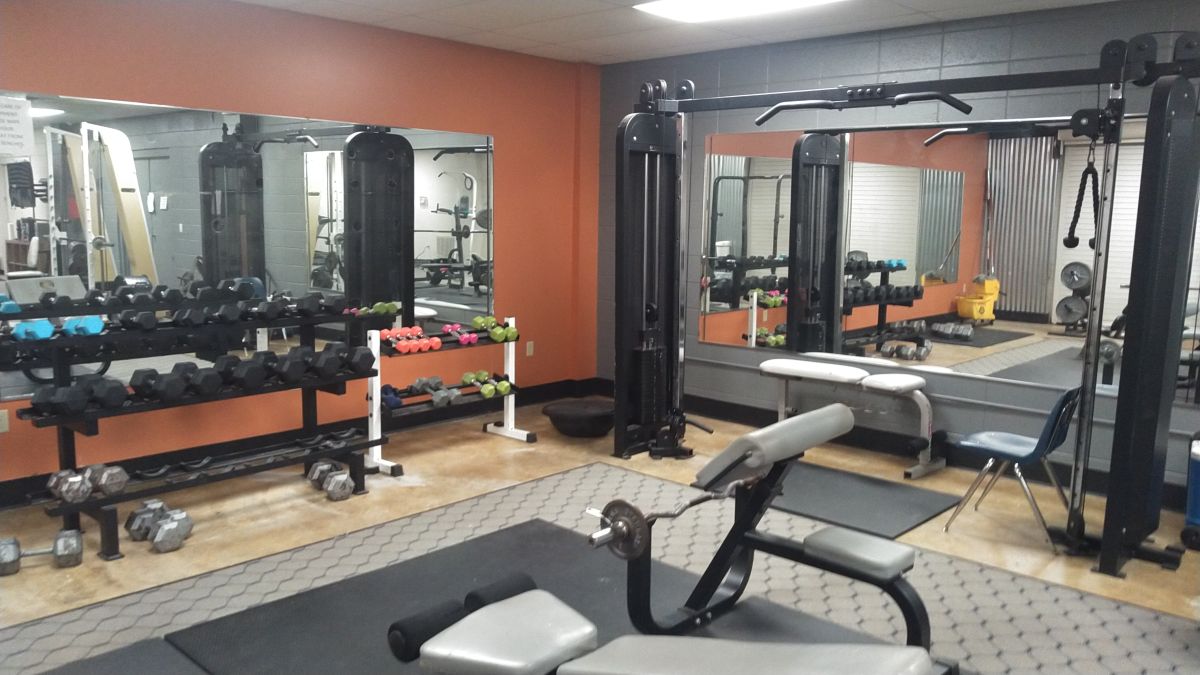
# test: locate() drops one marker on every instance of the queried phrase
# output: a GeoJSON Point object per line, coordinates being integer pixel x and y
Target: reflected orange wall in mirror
{"type": "Point", "coordinates": [967, 154]}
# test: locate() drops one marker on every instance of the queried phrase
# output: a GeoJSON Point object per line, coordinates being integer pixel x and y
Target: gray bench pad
{"type": "Point", "coordinates": [527, 634]}
{"type": "Point", "coordinates": [669, 655]}
{"type": "Point", "coordinates": [875, 557]}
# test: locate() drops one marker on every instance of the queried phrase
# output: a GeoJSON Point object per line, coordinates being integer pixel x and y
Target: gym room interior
{"type": "Point", "coordinates": [384, 335]}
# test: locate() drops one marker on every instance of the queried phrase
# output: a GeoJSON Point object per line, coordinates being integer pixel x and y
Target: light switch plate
{"type": "Point", "coordinates": [3, 421]}
{"type": "Point", "coordinates": [529, 348]}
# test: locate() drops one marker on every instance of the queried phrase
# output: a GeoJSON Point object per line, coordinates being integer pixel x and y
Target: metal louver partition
{"type": "Point", "coordinates": [1025, 178]}
{"type": "Point", "coordinates": [729, 199]}
{"type": "Point", "coordinates": [940, 216]}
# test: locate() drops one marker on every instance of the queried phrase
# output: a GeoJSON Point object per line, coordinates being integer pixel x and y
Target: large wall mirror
{"type": "Point", "coordinates": [976, 219]}
{"type": "Point", "coordinates": [110, 188]}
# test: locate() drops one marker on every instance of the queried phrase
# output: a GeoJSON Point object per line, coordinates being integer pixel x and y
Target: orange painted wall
{"type": "Point", "coordinates": [221, 55]}
{"type": "Point", "coordinates": [904, 148]}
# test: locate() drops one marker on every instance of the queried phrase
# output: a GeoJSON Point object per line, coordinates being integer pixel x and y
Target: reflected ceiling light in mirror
{"type": "Point", "coordinates": [45, 112]}
{"type": "Point", "coordinates": [701, 11]}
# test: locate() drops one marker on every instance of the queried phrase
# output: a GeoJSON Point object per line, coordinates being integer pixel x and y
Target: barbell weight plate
{"type": "Point", "coordinates": [1071, 309]}
{"type": "Point", "coordinates": [627, 519]}
{"type": "Point", "coordinates": [1076, 276]}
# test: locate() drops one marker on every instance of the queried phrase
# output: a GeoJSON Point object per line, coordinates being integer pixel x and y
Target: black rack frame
{"type": "Point", "coordinates": [1164, 231]}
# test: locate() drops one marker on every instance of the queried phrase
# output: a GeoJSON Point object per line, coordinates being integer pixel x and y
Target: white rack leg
{"type": "Point", "coordinates": [374, 459]}
{"type": "Point", "coordinates": [262, 339]}
{"type": "Point", "coordinates": [752, 322]}
{"type": "Point", "coordinates": [508, 428]}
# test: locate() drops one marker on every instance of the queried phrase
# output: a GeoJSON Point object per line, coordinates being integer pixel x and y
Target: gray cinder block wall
{"type": "Point", "coordinates": [1028, 42]}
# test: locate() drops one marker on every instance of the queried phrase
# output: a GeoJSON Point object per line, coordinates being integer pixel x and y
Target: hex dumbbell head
{"type": "Point", "coordinates": [67, 549]}
{"type": "Point", "coordinates": [360, 360]}
{"type": "Point", "coordinates": [142, 381]}
{"type": "Point", "coordinates": [172, 516]}
{"type": "Point", "coordinates": [321, 469]}
{"type": "Point", "coordinates": [338, 486]}
{"type": "Point", "coordinates": [10, 556]}
{"type": "Point", "coordinates": [108, 393]}
{"type": "Point", "coordinates": [249, 375]}
{"type": "Point", "coordinates": [69, 400]}
{"type": "Point", "coordinates": [108, 480]}
{"type": "Point", "coordinates": [168, 537]}
{"type": "Point", "coordinates": [290, 369]}
{"type": "Point", "coordinates": [54, 483]}
{"type": "Point", "coordinates": [227, 313]}
{"type": "Point", "coordinates": [205, 382]}
{"type": "Point", "coordinates": [138, 523]}
{"type": "Point", "coordinates": [74, 489]}
{"type": "Point", "coordinates": [224, 365]}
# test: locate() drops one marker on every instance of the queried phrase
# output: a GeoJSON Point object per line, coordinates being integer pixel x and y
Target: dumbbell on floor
{"type": "Point", "coordinates": [329, 476]}
{"type": "Point", "coordinates": [66, 551]}
{"type": "Point", "coordinates": [163, 527]}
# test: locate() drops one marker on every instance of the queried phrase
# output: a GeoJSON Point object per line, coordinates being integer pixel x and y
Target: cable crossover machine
{"type": "Point", "coordinates": [651, 246]}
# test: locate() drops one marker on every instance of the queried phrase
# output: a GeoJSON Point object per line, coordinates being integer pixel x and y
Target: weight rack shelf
{"type": "Point", "coordinates": [156, 340]}
{"type": "Point", "coordinates": [32, 312]}
{"type": "Point", "coordinates": [847, 308]}
{"type": "Point", "coordinates": [388, 351]}
{"type": "Point", "coordinates": [265, 459]}
{"type": "Point", "coordinates": [86, 423]}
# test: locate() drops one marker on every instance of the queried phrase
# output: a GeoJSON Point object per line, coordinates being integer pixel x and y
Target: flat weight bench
{"type": "Point", "coordinates": [852, 381]}
{"type": "Point", "coordinates": [529, 632]}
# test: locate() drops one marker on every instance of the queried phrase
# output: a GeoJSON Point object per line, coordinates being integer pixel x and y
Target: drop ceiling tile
{"type": "Point", "coordinates": [415, 24]}
{"type": "Point", "coordinates": [581, 27]}
{"type": "Point", "coordinates": [569, 53]}
{"type": "Point", "coordinates": [495, 14]}
{"type": "Point", "coordinates": [508, 42]}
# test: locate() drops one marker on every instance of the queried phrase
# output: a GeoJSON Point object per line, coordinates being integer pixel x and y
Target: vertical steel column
{"type": "Point", "coordinates": [1163, 240]}
{"type": "Point", "coordinates": [814, 265]}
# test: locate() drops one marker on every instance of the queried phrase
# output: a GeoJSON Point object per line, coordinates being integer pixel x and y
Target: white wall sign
{"type": "Point", "coordinates": [16, 128]}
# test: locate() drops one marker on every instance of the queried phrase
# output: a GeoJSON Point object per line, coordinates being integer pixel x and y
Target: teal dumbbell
{"type": "Point", "coordinates": [40, 329]}
{"type": "Point", "coordinates": [83, 325]}
{"type": "Point", "coordinates": [9, 307]}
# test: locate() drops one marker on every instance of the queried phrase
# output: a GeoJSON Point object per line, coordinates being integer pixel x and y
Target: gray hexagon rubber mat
{"type": "Point", "coordinates": [989, 620]}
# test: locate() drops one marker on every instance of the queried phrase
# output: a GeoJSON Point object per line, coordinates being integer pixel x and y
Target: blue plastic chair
{"type": "Point", "coordinates": [1017, 451]}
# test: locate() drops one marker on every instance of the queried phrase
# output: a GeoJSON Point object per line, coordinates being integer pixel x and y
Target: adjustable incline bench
{"type": "Point", "coordinates": [513, 628]}
{"type": "Point", "coordinates": [852, 382]}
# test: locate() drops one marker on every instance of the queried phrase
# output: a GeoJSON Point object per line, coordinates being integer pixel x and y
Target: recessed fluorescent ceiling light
{"type": "Point", "coordinates": [44, 112]}
{"type": "Point", "coordinates": [700, 11]}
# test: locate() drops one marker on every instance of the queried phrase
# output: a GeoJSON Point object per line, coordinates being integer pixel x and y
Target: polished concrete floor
{"type": "Point", "coordinates": [249, 518]}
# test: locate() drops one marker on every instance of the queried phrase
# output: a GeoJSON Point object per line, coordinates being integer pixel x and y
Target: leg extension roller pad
{"type": "Point", "coordinates": [528, 634]}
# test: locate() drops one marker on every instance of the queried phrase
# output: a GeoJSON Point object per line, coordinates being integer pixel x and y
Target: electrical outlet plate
{"type": "Point", "coordinates": [3, 421]}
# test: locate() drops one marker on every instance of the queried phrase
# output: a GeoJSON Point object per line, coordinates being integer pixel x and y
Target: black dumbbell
{"type": "Point", "coordinates": [50, 400]}
{"type": "Point", "coordinates": [236, 288]}
{"type": "Point", "coordinates": [171, 296]}
{"type": "Point", "coordinates": [325, 363]}
{"type": "Point", "coordinates": [287, 369]}
{"type": "Point", "coordinates": [95, 298]}
{"type": "Point", "coordinates": [52, 300]}
{"type": "Point", "coordinates": [263, 310]}
{"type": "Point", "coordinates": [202, 290]}
{"type": "Point", "coordinates": [918, 292]}
{"type": "Point", "coordinates": [103, 391]}
{"type": "Point", "coordinates": [360, 360]}
{"type": "Point", "coordinates": [187, 317]}
{"type": "Point", "coordinates": [137, 319]}
{"type": "Point", "coordinates": [149, 383]}
{"type": "Point", "coordinates": [128, 295]}
{"type": "Point", "coordinates": [200, 381]}
{"type": "Point", "coordinates": [246, 375]}
{"type": "Point", "coordinates": [305, 306]}
{"type": "Point", "coordinates": [332, 304]}
{"type": "Point", "coordinates": [226, 313]}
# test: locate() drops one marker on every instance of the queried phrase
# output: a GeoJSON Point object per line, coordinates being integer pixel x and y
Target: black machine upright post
{"type": "Point", "coordinates": [1161, 255]}
{"type": "Point", "coordinates": [650, 261]}
{"type": "Point", "coordinates": [814, 317]}
{"type": "Point", "coordinates": [233, 236]}
{"type": "Point", "coordinates": [378, 168]}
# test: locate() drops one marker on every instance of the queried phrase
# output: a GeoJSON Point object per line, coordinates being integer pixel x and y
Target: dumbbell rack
{"type": "Point", "coordinates": [739, 267]}
{"type": "Point", "coordinates": [376, 412]}
{"type": "Point", "coordinates": [879, 334]}
{"type": "Point", "coordinates": [63, 353]}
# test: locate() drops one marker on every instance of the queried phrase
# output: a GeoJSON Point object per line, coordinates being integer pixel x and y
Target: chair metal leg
{"type": "Point", "coordinates": [970, 492]}
{"type": "Point", "coordinates": [992, 482]}
{"type": "Point", "coordinates": [1054, 481]}
{"type": "Point", "coordinates": [1037, 513]}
